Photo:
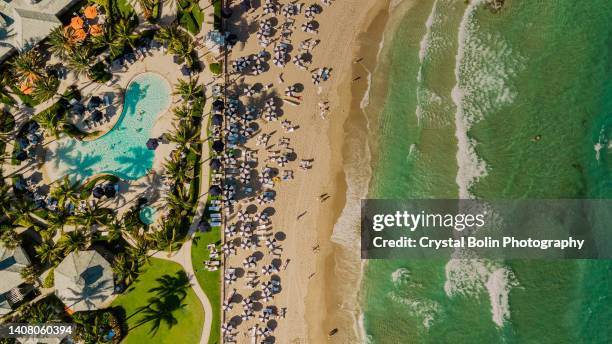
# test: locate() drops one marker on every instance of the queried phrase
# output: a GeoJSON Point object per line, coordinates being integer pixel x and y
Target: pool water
{"type": "Point", "coordinates": [147, 215]}
{"type": "Point", "coordinates": [122, 151]}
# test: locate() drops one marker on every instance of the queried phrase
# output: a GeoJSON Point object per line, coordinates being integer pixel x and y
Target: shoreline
{"type": "Point", "coordinates": [341, 310]}
{"type": "Point", "coordinates": [342, 264]}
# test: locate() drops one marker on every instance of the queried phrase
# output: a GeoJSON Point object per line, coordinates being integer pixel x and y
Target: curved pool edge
{"type": "Point", "coordinates": [121, 107]}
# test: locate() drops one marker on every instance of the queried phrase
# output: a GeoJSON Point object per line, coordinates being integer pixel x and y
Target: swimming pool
{"type": "Point", "coordinates": [122, 151]}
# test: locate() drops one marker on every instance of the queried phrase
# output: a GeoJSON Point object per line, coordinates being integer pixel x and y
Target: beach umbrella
{"type": "Point", "coordinates": [21, 155]}
{"type": "Point", "coordinates": [258, 70]}
{"type": "Point", "coordinates": [246, 315]}
{"type": "Point", "coordinates": [152, 144]}
{"type": "Point", "coordinates": [218, 146]}
{"type": "Point", "coordinates": [264, 317]}
{"type": "Point", "coordinates": [215, 164]}
{"type": "Point", "coordinates": [98, 192]}
{"type": "Point", "coordinates": [109, 190]}
{"type": "Point", "coordinates": [226, 12]}
{"type": "Point", "coordinates": [267, 295]}
{"type": "Point", "coordinates": [231, 39]}
{"type": "Point", "coordinates": [97, 116]}
{"type": "Point", "coordinates": [215, 190]}
{"type": "Point", "coordinates": [217, 119]}
{"type": "Point", "coordinates": [226, 328]}
{"type": "Point", "coordinates": [269, 8]}
{"type": "Point", "coordinates": [185, 70]}
{"type": "Point", "coordinates": [94, 102]}
{"type": "Point", "coordinates": [227, 306]}
{"type": "Point", "coordinates": [290, 91]}
{"type": "Point", "coordinates": [90, 12]}
{"type": "Point", "coordinates": [76, 23]}
{"type": "Point", "coordinates": [218, 104]}
{"type": "Point", "coordinates": [230, 231]}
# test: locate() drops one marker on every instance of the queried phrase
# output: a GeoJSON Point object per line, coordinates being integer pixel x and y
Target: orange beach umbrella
{"type": "Point", "coordinates": [96, 30]}
{"type": "Point", "coordinates": [26, 88]}
{"type": "Point", "coordinates": [79, 35]}
{"type": "Point", "coordinates": [91, 12]}
{"type": "Point", "coordinates": [76, 23]}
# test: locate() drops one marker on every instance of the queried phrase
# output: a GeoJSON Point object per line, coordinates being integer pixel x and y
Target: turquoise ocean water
{"type": "Point", "coordinates": [122, 151]}
{"type": "Point", "coordinates": [467, 92]}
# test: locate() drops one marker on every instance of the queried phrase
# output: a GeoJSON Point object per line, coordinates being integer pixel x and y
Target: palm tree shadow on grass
{"type": "Point", "coordinates": [169, 293]}
{"type": "Point", "coordinates": [160, 311]}
{"type": "Point", "coordinates": [172, 285]}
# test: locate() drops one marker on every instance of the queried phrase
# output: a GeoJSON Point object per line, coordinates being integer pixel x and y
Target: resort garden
{"type": "Point", "coordinates": [48, 96]}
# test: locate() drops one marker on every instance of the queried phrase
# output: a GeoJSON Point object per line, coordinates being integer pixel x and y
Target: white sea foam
{"type": "Point", "coordinates": [470, 277]}
{"type": "Point", "coordinates": [400, 276]}
{"type": "Point", "coordinates": [601, 143]}
{"type": "Point", "coordinates": [428, 42]}
{"type": "Point", "coordinates": [422, 309]}
{"type": "Point", "coordinates": [358, 173]}
{"type": "Point", "coordinates": [498, 286]}
{"type": "Point", "coordinates": [598, 146]}
{"type": "Point", "coordinates": [484, 67]}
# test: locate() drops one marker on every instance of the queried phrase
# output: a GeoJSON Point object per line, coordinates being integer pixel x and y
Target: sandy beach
{"type": "Point", "coordinates": [339, 264]}
{"type": "Point", "coordinates": [308, 253]}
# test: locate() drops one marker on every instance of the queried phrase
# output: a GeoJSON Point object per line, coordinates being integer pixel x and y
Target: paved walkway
{"type": "Point", "coordinates": [183, 255]}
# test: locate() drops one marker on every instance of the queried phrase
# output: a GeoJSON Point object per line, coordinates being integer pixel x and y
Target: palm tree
{"type": "Point", "coordinates": [60, 43]}
{"type": "Point", "coordinates": [23, 213]}
{"type": "Point", "coordinates": [41, 312]}
{"type": "Point", "coordinates": [57, 220]}
{"type": "Point", "coordinates": [108, 41]}
{"type": "Point", "coordinates": [182, 112]}
{"type": "Point", "coordinates": [145, 5]}
{"type": "Point", "coordinates": [168, 34]}
{"type": "Point", "coordinates": [123, 31]}
{"type": "Point", "coordinates": [125, 268]}
{"type": "Point", "coordinates": [140, 251]}
{"type": "Point", "coordinates": [73, 241]}
{"type": "Point", "coordinates": [188, 90]}
{"type": "Point", "coordinates": [179, 43]}
{"type": "Point", "coordinates": [30, 274]}
{"type": "Point", "coordinates": [93, 216]}
{"type": "Point", "coordinates": [115, 229]}
{"type": "Point", "coordinates": [91, 327]}
{"type": "Point", "coordinates": [178, 172]}
{"type": "Point", "coordinates": [5, 93]}
{"type": "Point", "coordinates": [53, 124]}
{"type": "Point", "coordinates": [6, 200]}
{"type": "Point", "coordinates": [47, 252]}
{"type": "Point", "coordinates": [28, 66]}
{"type": "Point", "coordinates": [184, 135]}
{"type": "Point", "coordinates": [66, 191]}
{"type": "Point", "coordinates": [46, 88]}
{"type": "Point", "coordinates": [10, 238]}
{"type": "Point", "coordinates": [164, 238]}
{"type": "Point", "coordinates": [179, 202]}
{"type": "Point", "coordinates": [79, 61]}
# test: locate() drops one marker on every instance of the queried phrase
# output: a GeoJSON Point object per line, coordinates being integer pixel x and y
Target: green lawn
{"type": "Point", "coordinates": [210, 281]}
{"type": "Point", "coordinates": [188, 319]}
